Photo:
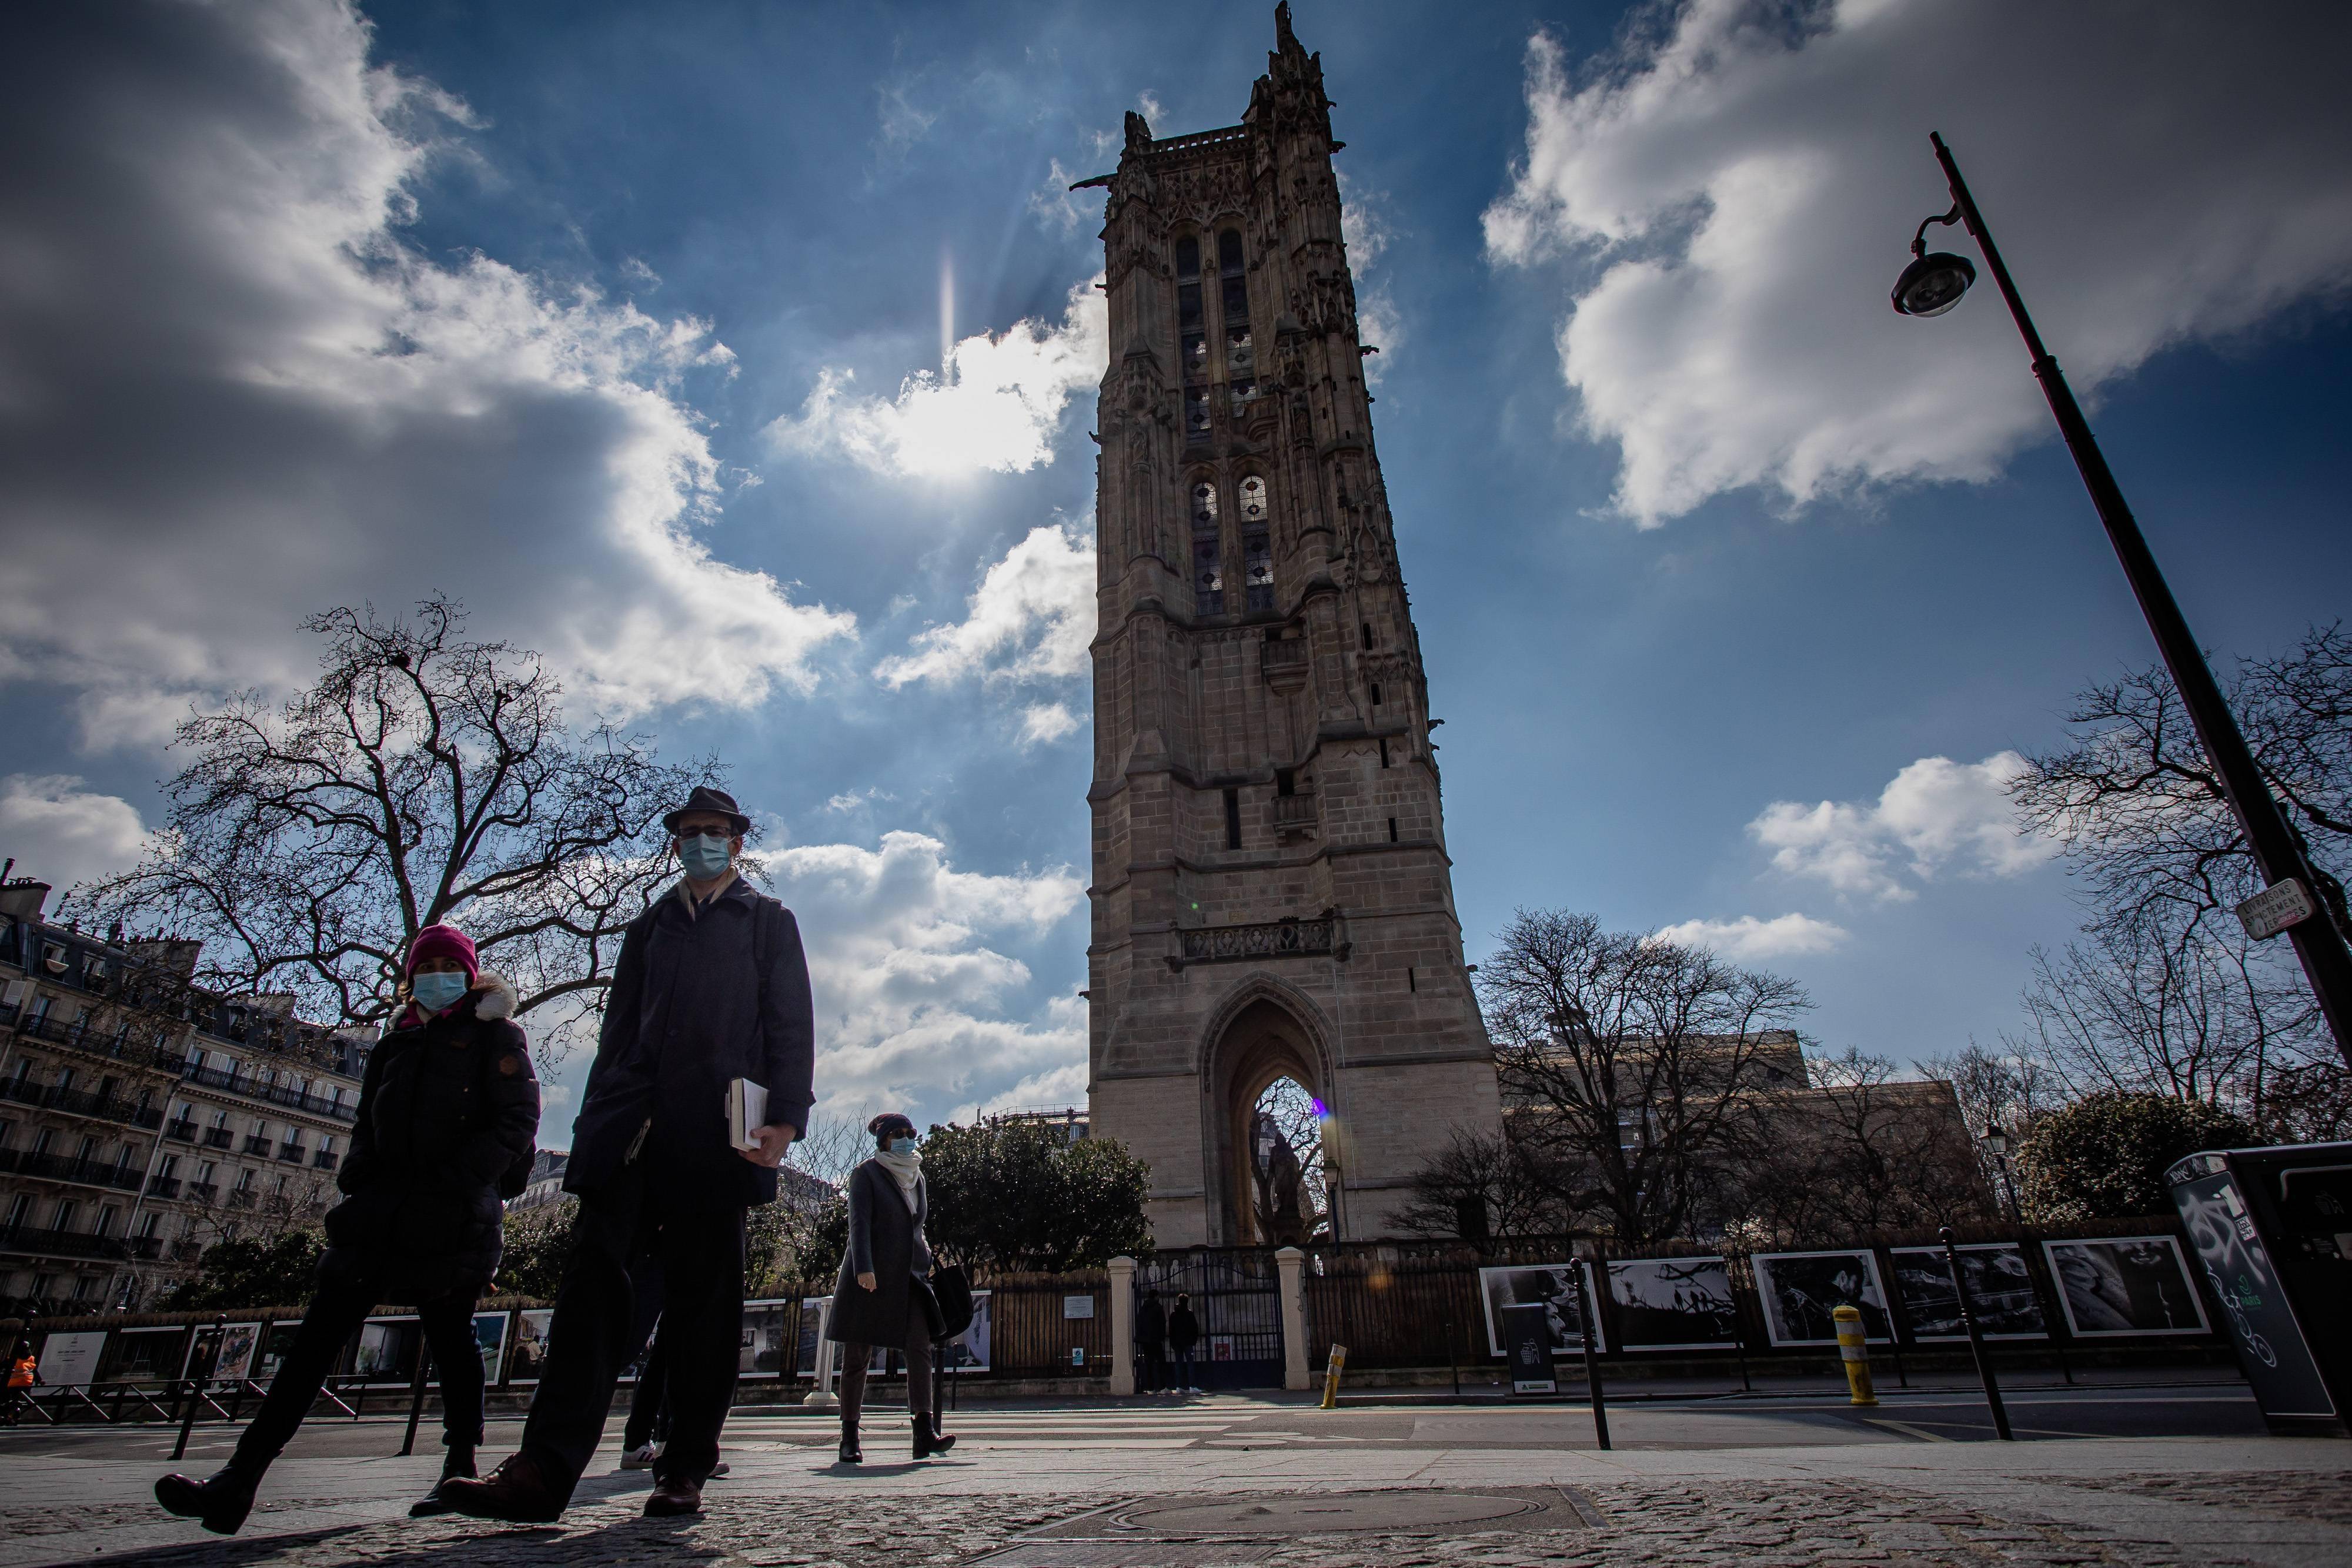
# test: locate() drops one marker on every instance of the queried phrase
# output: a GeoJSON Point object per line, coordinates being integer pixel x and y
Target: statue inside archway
{"type": "Point", "coordinates": [1286, 1168]}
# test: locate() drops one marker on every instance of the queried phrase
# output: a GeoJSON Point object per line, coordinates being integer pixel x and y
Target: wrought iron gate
{"type": "Point", "coordinates": [1236, 1293]}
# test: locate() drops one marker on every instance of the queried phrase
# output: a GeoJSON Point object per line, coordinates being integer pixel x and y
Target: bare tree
{"type": "Point", "coordinates": [424, 777]}
{"type": "Point", "coordinates": [1632, 1059]}
{"type": "Point", "coordinates": [2140, 811]}
{"type": "Point", "coordinates": [1484, 1186]}
{"type": "Point", "coordinates": [2168, 1003]}
{"type": "Point", "coordinates": [2003, 1089]}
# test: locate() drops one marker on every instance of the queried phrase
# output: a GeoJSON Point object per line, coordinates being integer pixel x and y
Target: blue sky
{"type": "Point", "coordinates": [1734, 589]}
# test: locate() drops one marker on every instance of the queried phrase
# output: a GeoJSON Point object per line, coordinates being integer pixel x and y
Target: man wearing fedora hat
{"type": "Point", "coordinates": [710, 986]}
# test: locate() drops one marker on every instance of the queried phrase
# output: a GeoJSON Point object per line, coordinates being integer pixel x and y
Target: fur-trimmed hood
{"type": "Point", "coordinates": [493, 997]}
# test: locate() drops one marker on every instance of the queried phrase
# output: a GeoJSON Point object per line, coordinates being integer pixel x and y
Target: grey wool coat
{"type": "Point", "coordinates": [887, 1241]}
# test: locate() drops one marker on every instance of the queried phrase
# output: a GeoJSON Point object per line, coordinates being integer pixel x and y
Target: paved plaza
{"type": "Point", "coordinates": [2170, 1475]}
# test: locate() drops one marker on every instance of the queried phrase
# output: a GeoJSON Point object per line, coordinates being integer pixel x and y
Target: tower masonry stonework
{"type": "Point", "coordinates": [1272, 894]}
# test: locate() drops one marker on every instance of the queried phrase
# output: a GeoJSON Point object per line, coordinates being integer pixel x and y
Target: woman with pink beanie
{"type": "Point", "coordinates": [449, 1122]}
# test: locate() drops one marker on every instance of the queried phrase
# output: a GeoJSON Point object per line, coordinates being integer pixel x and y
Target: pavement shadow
{"type": "Point", "coordinates": [632, 1540]}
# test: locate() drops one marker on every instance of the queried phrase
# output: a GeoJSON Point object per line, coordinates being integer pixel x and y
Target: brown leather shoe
{"type": "Point", "coordinates": [517, 1491]}
{"type": "Point", "coordinates": [672, 1497]}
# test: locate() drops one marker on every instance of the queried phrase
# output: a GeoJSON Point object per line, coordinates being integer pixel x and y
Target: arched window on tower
{"type": "Point", "coordinates": [1208, 552]}
{"type": "Point", "coordinates": [1258, 547]}
{"type": "Point", "coordinates": [1192, 338]}
{"type": "Point", "coordinates": [1241, 355]}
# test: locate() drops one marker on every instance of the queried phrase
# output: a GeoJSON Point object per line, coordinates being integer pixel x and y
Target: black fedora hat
{"type": "Point", "coordinates": [706, 799]}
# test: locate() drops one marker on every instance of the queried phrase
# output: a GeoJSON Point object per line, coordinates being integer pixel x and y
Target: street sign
{"type": "Point", "coordinates": [2275, 908]}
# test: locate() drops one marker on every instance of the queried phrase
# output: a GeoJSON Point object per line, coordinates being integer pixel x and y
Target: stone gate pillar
{"type": "Point", "coordinates": [1122, 1326]}
{"type": "Point", "coordinates": [1289, 1261]}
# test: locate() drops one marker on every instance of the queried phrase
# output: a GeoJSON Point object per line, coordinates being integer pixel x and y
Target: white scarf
{"type": "Point", "coordinates": [905, 1169]}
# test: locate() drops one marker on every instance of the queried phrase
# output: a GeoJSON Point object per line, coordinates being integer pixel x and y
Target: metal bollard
{"type": "Point", "coordinates": [1855, 1349]}
{"type": "Point", "coordinates": [1332, 1377]}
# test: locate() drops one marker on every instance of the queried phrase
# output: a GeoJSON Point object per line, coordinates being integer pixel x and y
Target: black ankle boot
{"type": "Point", "coordinates": [926, 1439]}
{"type": "Point", "coordinates": [851, 1454]}
{"type": "Point", "coordinates": [456, 1462]}
{"type": "Point", "coordinates": [220, 1503]}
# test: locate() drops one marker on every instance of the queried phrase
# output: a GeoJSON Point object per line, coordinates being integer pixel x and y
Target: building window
{"type": "Point", "coordinates": [1233, 818]}
{"type": "Point", "coordinates": [1257, 549]}
{"type": "Point", "coordinates": [1368, 633]}
{"type": "Point", "coordinates": [1286, 782]}
{"type": "Point", "coordinates": [1192, 338]}
{"type": "Point", "coordinates": [1208, 547]}
{"type": "Point", "coordinates": [148, 1225]}
{"type": "Point", "coordinates": [1240, 355]}
{"type": "Point", "coordinates": [1376, 693]}
{"type": "Point", "coordinates": [1392, 832]}
{"type": "Point", "coordinates": [1384, 751]}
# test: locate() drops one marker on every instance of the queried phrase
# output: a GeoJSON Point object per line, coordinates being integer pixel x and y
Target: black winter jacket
{"type": "Point", "coordinates": [446, 1107]}
{"type": "Point", "coordinates": [691, 1011]}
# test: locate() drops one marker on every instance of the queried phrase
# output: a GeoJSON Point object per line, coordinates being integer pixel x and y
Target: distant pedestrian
{"type": "Point", "coordinates": [711, 986]}
{"type": "Point", "coordinates": [883, 1297]}
{"type": "Point", "coordinates": [1151, 1341]}
{"type": "Point", "coordinates": [1183, 1334]}
{"type": "Point", "coordinates": [24, 1371]}
{"type": "Point", "coordinates": [448, 1124]}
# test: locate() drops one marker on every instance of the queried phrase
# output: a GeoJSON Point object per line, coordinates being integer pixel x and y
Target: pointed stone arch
{"type": "Point", "coordinates": [1264, 1030]}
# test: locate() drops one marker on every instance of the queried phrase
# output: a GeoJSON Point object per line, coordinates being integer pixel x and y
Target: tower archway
{"type": "Point", "coordinates": [1266, 1059]}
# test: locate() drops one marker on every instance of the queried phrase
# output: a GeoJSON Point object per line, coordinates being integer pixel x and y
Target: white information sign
{"type": "Point", "coordinates": [2275, 908]}
{"type": "Point", "coordinates": [70, 1359]}
{"type": "Point", "coordinates": [1077, 1306]}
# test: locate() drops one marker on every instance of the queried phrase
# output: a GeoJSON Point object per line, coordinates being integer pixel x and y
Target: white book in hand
{"type": "Point", "coordinates": [747, 1113]}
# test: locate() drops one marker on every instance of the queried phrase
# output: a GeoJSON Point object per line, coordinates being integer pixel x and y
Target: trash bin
{"type": "Point", "coordinates": [2272, 1231]}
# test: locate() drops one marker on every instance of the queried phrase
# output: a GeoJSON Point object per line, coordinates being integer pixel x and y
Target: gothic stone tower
{"type": "Point", "coordinates": [1272, 896]}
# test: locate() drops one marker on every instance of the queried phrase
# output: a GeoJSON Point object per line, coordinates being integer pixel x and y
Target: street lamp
{"type": "Point", "coordinates": [1997, 1143]}
{"type": "Point", "coordinates": [1931, 285]}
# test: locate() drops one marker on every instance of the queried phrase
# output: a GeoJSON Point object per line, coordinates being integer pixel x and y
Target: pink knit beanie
{"type": "Point", "coordinates": [444, 942]}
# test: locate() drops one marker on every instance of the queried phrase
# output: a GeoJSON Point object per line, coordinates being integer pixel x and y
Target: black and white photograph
{"type": "Point", "coordinates": [1548, 1285]}
{"type": "Point", "coordinates": [1801, 1289]}
{"type": "Point", "coordinates": [531, 1344]}
{"type": "Point", "coordinates": [1673, 1303]}
{"type": "Point", "coordinates": [2111, 1286]}
{"type": "Point", "coordinates": [2000, 1292]}
{"type": "Point", "coordinates": [765, 1324]}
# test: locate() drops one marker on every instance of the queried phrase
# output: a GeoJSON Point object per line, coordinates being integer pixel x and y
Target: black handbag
{"type": "Point", "coordinates": [952, 1288]}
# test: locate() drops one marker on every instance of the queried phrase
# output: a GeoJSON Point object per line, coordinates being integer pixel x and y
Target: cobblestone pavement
{"type": "Point", "coordinates": [1046, 1490]}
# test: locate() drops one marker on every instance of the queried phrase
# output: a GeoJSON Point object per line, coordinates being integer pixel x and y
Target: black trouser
{"type": "Point", "coordinates": [1185, 1373]}
{"type": "Point", "coordinates": [854, 1358]}
{"type": "Point", "coordinates": [694, 1223]}
{"type": "Point", "coordinates": [1155, 1369]}
{"type": "Point", "coordinates": [646, 1423]}
{"type": "Point", "coordinates": [342, 1304]}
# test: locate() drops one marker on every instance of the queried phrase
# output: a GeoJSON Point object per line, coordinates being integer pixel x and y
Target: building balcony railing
{"type": "Point", "coordinates": [219, 1138]}
{"type": "Point", "coordinates": [60, 1167]}
{"type": "Point", "coordinates": [85, 1103]}
{"type": "Point", "coordinates": [205, 1192]}
{"type": "Point", "coordinates": [185, 1249]}
{"type": "Point", "coordinates": [1273, 939]}
{"type": "Point", "coordinates": [255, 1144]}
{"type": "Point", "coordinates": [275, 1094]}
{"type": "Point", "coordinates": [183, 1130]}
{"type": "Point", "coordinates": [163, 1186]}
{"type": "Point", "coordinates": [292, 1154]}
{"type": "Point", "coordinates": [42, 1242]}
{"type": "Point", "coordinates": [242, 1198]}
{"type": "Point", "coordinates": [67, 1035]}
{"type": "Point", "coordinates": [326, 1159]}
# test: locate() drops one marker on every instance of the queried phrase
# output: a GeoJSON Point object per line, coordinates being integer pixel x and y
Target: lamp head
{"type": "Point", "coordinates": [1933, 283]}
{"type": "Point", "coordinates": [1996, 1142]}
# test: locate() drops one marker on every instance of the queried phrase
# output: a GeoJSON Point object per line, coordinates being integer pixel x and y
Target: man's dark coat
{"type": "Point", "coordinates": [446, 1108]}
{"type": "Point", "coordinates": [688, 1013]}
{"type": "Point", "coordinates": [1152, 1327]}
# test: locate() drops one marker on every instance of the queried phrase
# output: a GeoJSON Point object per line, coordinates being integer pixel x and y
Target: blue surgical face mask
{"type": "Point", "coordinates": [437, 990]}
{"type": "Point", "coordinates": [902, 1146]}
{"type": "Point", "coordinates": [705, 856]}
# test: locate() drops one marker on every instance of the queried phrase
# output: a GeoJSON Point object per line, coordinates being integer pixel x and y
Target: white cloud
{"type": "Point", "coordinates": [225, 374]}
{"type": "Point", "coordinates": [999, 409]}
{"type": "Point", "coordinates": [1056, 1089]}
{"type": "Point", "coordinates": [1742, 189]}
{"type": "Point", "coordinates": [1934, 812]}
{"type": "Point", "coordinates": [1042, 724]}
{"type": "Point", "coordinates": [1366, 227]}
{"type": "Point", "coordinates": [1030, 619]}
{"type": "Point", "coordinates": [911, 988]}
{"type": "Point", "coordinates": [1748, 939]}
{"type": "Point", "coordinates": [63, 834]}
{"type": "Point", "coordinates": [1054, 205]}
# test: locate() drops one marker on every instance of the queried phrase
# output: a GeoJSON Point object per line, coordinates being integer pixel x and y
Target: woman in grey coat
{"type": "Point", "coordinates": [883, 1297]}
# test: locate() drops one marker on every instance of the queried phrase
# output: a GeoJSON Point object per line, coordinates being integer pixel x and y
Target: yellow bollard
{"type": "Point", "coordinates": [1856, 1354]}
{"type": "Point", "coordinates": [1332, 1377]}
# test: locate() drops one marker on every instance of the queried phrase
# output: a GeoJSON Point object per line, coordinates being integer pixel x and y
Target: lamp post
{"type": "Point", "coordinates": [1933, 284]}
{"type": "Point", "coordinates": [1996, 1144]}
